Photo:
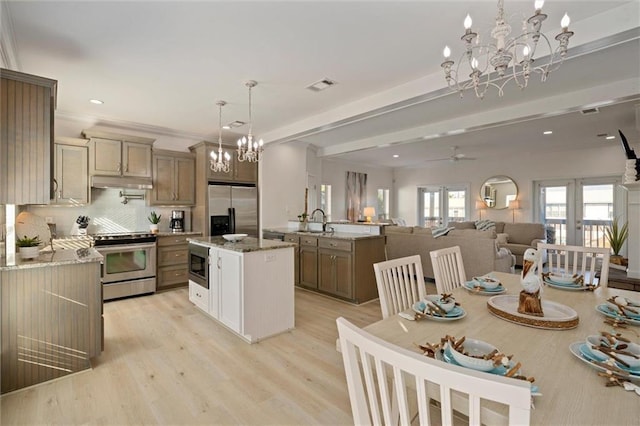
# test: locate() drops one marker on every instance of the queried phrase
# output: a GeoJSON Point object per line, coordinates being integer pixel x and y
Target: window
{"type": "Point", "coordinates": [382, 207]}
{"type": "Point", "coordinates": [442, 205]}
{"type": "Point", "coordinates": [325, 200]}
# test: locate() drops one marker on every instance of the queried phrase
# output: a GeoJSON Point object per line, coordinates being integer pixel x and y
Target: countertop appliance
{"type": "Point", "coordinates": [177, 221]}
{"type": "Point", "coordinates": [199, 265]}
{"type": "Point", "coordinates": [129, 265]}
{"type": "Point", "coordinates": [233, 209]}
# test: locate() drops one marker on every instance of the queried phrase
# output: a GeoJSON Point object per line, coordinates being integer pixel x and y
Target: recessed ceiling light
{"type": "Point", "coordinates": [547, 132]}
{"type": "Point", "coordinates": [610, 138]}
{"type": "Point", "coordinates": [96, 101]}
{"type": "Point", "coordinates": [395, 156]}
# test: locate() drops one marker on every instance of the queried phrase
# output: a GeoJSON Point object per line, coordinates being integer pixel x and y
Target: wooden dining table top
{"type": "Point", "coordinates": [572, 392]}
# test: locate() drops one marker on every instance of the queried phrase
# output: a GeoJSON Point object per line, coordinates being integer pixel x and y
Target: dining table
{"type": "Point", "coordinates": [570, 391]}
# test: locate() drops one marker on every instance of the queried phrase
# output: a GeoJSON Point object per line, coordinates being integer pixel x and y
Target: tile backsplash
{"type": "Point", "coordinates": [108, 214]}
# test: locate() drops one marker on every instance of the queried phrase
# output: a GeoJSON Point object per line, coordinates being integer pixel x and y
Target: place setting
{"type": "Point", "coordinates": [569, 282]}
{"type": "Point", "coordinates": [437, 307]}
{"type": "Point", "coordinates": [486, 285]}
{"type": "Point", "coordinates": [621, 309]}
{"type": "Point", "coordinates": [477, 355]}
{"type": "Point", "coordinates": [614, 356]}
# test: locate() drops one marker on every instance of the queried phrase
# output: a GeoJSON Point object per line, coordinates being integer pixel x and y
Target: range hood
{"type": "Point", "coordinates": [124, 182]}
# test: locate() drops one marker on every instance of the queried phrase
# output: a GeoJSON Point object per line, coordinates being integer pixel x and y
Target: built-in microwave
{"type": "Point", "coordinates": [199, 265]}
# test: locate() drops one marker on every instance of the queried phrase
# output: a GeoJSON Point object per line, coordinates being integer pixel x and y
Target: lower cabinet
{"type": "Point", "coordinates": [251, 293]}
{"type": "Point", "coordinates": [293, 238]}
{"type": "Point", "coordinates": [340, 267]}
{"type": "Point", "coordinates": [172, 268]}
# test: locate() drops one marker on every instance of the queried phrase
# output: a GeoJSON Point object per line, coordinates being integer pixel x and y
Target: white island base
{"type": "Point", "coordinates": [251, 290]}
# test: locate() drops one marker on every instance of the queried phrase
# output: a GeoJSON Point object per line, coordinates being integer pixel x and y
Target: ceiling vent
{"type": "Point", "coordinates": [233, 124]}
{"type": "Point", "coordinates": [321, 85]}
{"type": "Point", "coordinates": [590, 111]}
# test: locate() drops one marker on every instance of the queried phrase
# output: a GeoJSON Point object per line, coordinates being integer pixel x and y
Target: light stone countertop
{"type": "Point", "coordinates": [48, 259]}
{"type": "Point", "coordinates": [174, 234]}
{"type": "Point", "coordinates": [339, 235]}
{"type": "Point", "coordinates": [249, 244]}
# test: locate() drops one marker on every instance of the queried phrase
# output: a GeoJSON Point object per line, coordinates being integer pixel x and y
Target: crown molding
{"type": "Point", "coordinates": [8, 52]}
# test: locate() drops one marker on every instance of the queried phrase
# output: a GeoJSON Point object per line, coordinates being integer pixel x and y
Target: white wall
{"type": "Point", "coordinates": [523, 169]}
{"type": "Point", "coordinates": [334, 173]}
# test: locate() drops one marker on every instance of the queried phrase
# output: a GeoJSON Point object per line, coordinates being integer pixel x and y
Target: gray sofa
{"type": "Point", "coordinates": [517, 237]}
{"type": "Point", "coordinates": [480, 253]}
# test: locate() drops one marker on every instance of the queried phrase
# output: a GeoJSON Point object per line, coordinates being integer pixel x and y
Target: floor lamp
{"type": "Point", "coordinates": [480, 205]}
{"type": "Point", "coordinates": [513, 206]}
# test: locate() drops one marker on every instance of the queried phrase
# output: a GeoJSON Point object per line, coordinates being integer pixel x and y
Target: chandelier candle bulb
{"type": "Point", "coordinates": [467, 23]}
{"type": "Point", "coordinates": [446, 52]}
{"type": "Point", "coordinates": [564, 23]}
{"type": "Point", "coordinates": [537, 5]}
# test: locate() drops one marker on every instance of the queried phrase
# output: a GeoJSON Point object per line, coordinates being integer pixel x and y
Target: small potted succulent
{"type": "Point", "coordinates": [154, 220]}
{"type": "Point", "coordinates": [28, 247]}
{"type": "Point", "coordinates": [303, 218]}
{"type": "Point", "coordinates": [616, 236]}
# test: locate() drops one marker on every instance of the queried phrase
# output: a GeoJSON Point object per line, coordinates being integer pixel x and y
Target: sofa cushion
{"type": "Point", "coordinates": [499, 227]}
{"type": "Point", "coordinates": [485, 225]}
{"type": "Point", "coordinates": [524, 233]}
{"type": "Point", "coordinates": [398, 229]}
{"type": "Point", "coordinates": [502, 238]}
{"type": "Point", "coordinates": [463, 225]}
{"type": "Point", "coordinates": [440, 231]}
{"type": "Point", "coordinates": [472, 233]}
{"type": "Point", "coordinates": [419, 230]}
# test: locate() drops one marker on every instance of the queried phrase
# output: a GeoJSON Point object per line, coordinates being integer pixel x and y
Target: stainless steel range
{"type": "Point", "coordinates": [129, 265]}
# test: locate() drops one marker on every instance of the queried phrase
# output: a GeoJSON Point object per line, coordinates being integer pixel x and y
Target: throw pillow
{"type": "Point", "coordinates": [485, 225]}
{"type": "Point", "coordinates": [439, 231]}
{"type": "Point", "coordinates": [502, 238]}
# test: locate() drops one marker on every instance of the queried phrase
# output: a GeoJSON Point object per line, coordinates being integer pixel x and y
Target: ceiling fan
{"type": "Point", "coordinates": [453, 157]}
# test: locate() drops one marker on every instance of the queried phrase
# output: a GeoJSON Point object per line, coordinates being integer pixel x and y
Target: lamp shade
{"type": "Point", "coordinates": [369, 212]}
{"type": "Point", "coordinates": [514, 205]}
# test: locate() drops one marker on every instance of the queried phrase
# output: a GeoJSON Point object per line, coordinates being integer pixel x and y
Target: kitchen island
{"type": "Point", "coordinates": [249, 287]}
{"type": "Point", "coordinates": [51, 316]}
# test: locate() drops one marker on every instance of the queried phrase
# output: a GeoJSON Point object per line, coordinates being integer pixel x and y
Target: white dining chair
{"type": "Point", "coordinates": [448, 268]}
{"type": "Point", "coordinates": [400, 283]}
{"type": "Point", "coordinates": [382, 378]}
{"type": "Point", "coordinates": [590, 262]}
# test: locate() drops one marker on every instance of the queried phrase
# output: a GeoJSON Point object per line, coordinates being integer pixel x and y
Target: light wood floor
{"type": "Point", "coordinates": [166, 362]}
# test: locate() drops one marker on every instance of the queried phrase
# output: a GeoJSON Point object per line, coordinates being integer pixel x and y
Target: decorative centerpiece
{"type": "Point", "coordinates": [616, 235]}
{"type": "Point", "coordinates": [529, 301]}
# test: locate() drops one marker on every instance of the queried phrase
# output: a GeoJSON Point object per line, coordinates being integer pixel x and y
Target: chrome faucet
{"type": "Point", "coordinates": [324, 218]}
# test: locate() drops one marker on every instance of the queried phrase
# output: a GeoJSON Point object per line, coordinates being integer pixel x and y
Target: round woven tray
{"type": "Point", "coordinates": [556, 316]}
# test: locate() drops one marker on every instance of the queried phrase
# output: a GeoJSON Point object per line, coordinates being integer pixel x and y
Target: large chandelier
{"type": "Point", "coordinates": [217, 163]}
{"type": "Point", "coordinates": [510, 58]}
{"type": "Point", "coordinates": [248, 149]}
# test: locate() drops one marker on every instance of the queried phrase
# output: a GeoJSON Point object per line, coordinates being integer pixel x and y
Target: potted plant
{"type": "Point", "coordinates": [304, 221]}
{"type": "Point", "coordinates": [28, 247]}
{"type": "Point", "coordinates": [154, 219]}
{"type": "Point", "coordinates": [616, 236]}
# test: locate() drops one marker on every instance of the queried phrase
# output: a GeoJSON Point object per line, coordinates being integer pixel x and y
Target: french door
{"type": "Point", "coordinates": [577, 211]}
{"type": "Point", "coordinates": [440, 205]}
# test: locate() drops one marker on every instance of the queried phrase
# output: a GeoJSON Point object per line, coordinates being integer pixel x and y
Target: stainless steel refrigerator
{"type": "Point", "coordinates": [233, 210]}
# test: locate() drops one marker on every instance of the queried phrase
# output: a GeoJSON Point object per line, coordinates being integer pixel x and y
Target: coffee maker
{"type": "Point", "coordinates": [177, 221]}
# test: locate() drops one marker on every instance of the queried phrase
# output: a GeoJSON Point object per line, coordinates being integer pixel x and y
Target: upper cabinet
{"type": "Point", "coordinates": [119, 155]}
{"type": "Point", "coordinates": [70, 179]}
{"type": "Point", "coordinates": [27, 105]}
{"type": "Point", "coordinates": [173, 178]}
{"type": "Point", "coordinates": [240, 172]}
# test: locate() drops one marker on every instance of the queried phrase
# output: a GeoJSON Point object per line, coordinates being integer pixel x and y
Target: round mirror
{"type": "Point", "coordinates": [497, 191]}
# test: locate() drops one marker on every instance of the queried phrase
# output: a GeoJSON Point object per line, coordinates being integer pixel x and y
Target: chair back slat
{"type": "Point", "coordinates": [404, 376]}
{"type": "Point", "coordinates": [400, 284]}
{"type": "Point", "coordinates": [576, 260]}
{"type": "Point", "coordinates": [448, 268]}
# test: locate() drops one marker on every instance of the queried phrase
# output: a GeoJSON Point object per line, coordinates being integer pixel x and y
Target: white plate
{"type": "Point", "coordinates": [606, 311]}
{"type": "Point", "coordinates": [574, 348]}
{"type": "Point", "coordinates": [487, 282]}
{"type": "Point", "coordinates": [234, 237]}
{"type": "Point", "coordinates": [455, 314]}
{"type": "Point", "coordinates": [568, 287]}
{"type": "Point", "coordinates": [563, 278]}
{"type": "Point", "coordinates": [469, 286]}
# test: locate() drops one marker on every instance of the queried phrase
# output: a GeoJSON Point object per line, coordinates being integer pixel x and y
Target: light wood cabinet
{"type": "Point", "coordinates": [119, 155]}
{"type": "Point", "coordinates": [71, 179]}
{"type": "Point", "coordinates": [27, 105]}
{"type": "Point", "coordinates": [173, 178]}
{"type": "Point", "coordinates": [172, 261]}
{"type": "Point", "coordinates": [309, 262]}
{"type": "Point", "coordinates": [239, 172]}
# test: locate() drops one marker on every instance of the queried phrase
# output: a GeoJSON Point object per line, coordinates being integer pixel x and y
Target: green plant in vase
{"type": "Point", "coordinates": [154, 219]}
{"type": "Point", "coordinates": [616, 236]}
{"type": "Point", "coordinates": [28, 247]}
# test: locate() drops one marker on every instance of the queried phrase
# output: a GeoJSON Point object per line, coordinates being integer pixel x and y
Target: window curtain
{"type": "Point", "coordinates": [356, 190]}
